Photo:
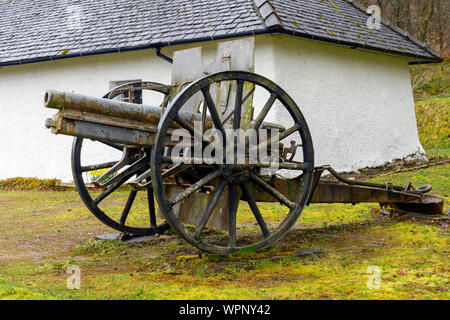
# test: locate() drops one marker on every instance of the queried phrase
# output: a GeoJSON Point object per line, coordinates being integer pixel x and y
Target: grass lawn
{"type": "Point", "coordinates": [42, 233]}
{"type": "Point", "coordinates": [433, 121]}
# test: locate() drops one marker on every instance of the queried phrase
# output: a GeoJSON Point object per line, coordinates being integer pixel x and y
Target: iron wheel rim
{"type": "Point", "coordinates": [158, 151]}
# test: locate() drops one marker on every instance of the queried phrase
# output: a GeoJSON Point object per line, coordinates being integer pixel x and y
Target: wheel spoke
{"type": "Point", "coordinates": [228, 116]}
{"type": "Point", "coordinates": [273, 192]}
{"type": "Point", "coordinates": [214, 114]}
{"type": "Point", "coordinates": [186, 125]}
{"type": "Point", "coordinates": [249, 94]}
{"type": "Point", "coordinates": [111, 189]}
{"type": "Point", "coordinates": [209, 209]}
{"type": "Point", "coordinates": [252, 203]}
{"type": "Point", "coordinates": [287, 133]}
{"type": "Point", "coordinates": [151, 208]}
{"type": "Point", "coordinates": [264, 112]}
{"type": "Point", "coordinates": [132, 169]}
{"type": "Point", "coordinates": [127, 208]}
{"type": "Point", "coordinates": [126, 159]}
{"type": "Point", "coordinates": [278, 138]}
{"type": "Point", "coordinates": [195, 187]}
{"type": "Point", "coordinates": [233, 203]}
{"type": "Point", "coordinates": [147, 174]}
{"type": "Point", "coordinates": [204, 116]}
{"type": "Point", "coordinates": [238, 105]}
{"type": "Point", "coordinates": [99, 166]}
{"type": "Point", "coordinates": [174, 170]}
{"type": "Point", "coordinates": [177, 169]}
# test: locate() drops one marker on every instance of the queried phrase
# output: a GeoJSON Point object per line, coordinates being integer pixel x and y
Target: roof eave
{"type": "Point", "coordinates": [137, 48]}
{"type": "Point", "coordinates": [436, 55]}
{"type": "Point", "coordinates": [353, 45]}
{"type": "Point", "coordinates": [278, 29]}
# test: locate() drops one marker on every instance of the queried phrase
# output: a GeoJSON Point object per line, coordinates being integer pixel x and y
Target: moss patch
{"type": "Point", "coordinates": [43, 233]}
{"type": "Point", "coordinates": [433, 121]}
{"type": "Point", "coordinates": [431, 80]}
{"type": "Point", "coordinates": [20, 183]}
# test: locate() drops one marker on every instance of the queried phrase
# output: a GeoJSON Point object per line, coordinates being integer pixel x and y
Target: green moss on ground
{"type": "Point", "coordinates": [12, 291]}
{"type": "Point", "coordinates": [430, 80]}
{"type": "Point", "coordinates": [42, 233]}
{"type": "Point", "coordinates": [433, 122]}
{"type": "Point", "coordinates": [20, 183]}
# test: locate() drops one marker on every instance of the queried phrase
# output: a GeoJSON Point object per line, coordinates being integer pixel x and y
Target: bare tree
{"type": "Point", "coordinates": [441, 23]}
{"type": "Point", "coordinates": [425, 13]}
{"type": "Point", "coordinates": [397, 11]}
{"type": "Point", "coordinates": [427, 20]}
{"type": "Point", "coordinates": [407, 16]}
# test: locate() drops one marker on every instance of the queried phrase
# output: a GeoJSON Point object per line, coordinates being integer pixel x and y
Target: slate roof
{"type": "Point", "coordinates": [42, 30]}
{"type": "Point", "coordinates": [345, 22]}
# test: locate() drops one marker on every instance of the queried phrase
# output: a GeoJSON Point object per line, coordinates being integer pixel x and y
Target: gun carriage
{"type": "Point", "coordinates": [194, 193]}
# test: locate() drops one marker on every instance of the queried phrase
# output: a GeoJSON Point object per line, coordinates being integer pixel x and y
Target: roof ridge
{"type": "Point", "coordinates": [394, 28]}
{"type": "Point", "coordinates": [266, 10]}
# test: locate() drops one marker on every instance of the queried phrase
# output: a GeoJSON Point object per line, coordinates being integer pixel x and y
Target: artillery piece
{"type": "Point", "coordinates": [197, 194]}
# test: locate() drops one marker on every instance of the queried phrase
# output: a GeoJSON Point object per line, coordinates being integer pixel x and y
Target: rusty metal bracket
{"type": "Point", "coordinates": [316, 179]}
{"type": "Point", "coordinates": [290, 150]}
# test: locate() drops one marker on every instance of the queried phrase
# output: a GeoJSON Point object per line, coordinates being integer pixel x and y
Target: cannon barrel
{"type": "Point", "coordinates": [106, 120]}
{"type": "Point", "coordinates": [73, 101]}
{"type": "Point", "coordinates": [113, 121]}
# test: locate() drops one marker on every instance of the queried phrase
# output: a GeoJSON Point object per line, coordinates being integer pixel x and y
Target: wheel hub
{"type": "Point", "coordinates": [237, 174]}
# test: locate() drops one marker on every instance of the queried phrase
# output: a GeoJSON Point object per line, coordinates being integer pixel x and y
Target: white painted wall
{"type": "Point", "coordinates": [27, 147]}
{"type": "Point", "coordinates": [359, 105]}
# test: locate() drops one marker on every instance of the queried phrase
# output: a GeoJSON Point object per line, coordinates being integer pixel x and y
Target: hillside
{"type": "Point", "coordinates": [430, 80]}
{"type": "Point", "coordinates": [433, 122]}
{"type": "Point", "coordinates": [431, 85]}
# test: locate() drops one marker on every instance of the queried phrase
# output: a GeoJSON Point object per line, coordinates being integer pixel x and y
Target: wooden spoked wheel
{"type": "Point", "coordinates": [250, 225]}
{"type": "Point", "coordinates": [125, 164]}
